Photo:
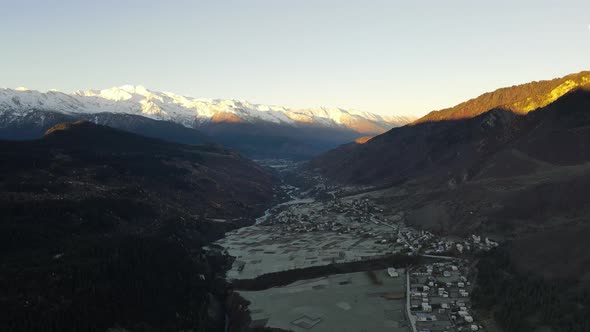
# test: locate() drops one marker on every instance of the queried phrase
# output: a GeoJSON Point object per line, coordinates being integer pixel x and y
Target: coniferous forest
{"type": "Point", "coordinates": [524, 301]}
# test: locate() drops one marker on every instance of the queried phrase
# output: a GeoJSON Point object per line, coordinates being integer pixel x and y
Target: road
{"type": "Point", "coordinates": [411, 318]}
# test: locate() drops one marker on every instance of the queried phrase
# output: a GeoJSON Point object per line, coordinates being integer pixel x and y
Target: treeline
{"type": "Point", "coordinates": [282, 278]}
{"type": "Point", "coordinates": [100, 263]}
{"type": "Point", "coordinates": [141, 284]}
{"type": "Point", "coordinates": [522, 302]}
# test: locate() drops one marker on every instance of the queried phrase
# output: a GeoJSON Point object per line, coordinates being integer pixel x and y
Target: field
{"type": "Point", "coordinates": [362, 301]}
{"type": "Point", "coordinates": [265, 249]}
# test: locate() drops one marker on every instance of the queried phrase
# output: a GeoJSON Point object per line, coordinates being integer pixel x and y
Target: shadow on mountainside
{"type": "Point", "coordinates": [500, 173]}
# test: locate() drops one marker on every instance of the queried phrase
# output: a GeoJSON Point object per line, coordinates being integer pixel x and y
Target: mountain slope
{"type": "Point", "coordinates": [455, 140]}
{"type": "Point", "coordinates": [32, 124]}
{"type": "Point", "coordinates": [256, 130]}
{"type": "Point", "coordinates": [499, 172]}
{"type": "Point", "coordinates": [519, 99]}
{"type": "Point", "coordinates": [102, 228]}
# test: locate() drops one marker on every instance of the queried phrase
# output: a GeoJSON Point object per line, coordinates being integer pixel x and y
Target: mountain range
{"type": "Point", "coordinates": [256, 130]}
{"type": "Point", "coordinates": [96, 215]}
{"type": "Point", "coordinates": [455, 142]}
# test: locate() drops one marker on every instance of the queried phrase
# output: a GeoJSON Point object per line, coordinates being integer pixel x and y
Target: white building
{"type": "Point", "coordinates": [392, 272]}
{"type": "Point", "coordinates": [426, 307]}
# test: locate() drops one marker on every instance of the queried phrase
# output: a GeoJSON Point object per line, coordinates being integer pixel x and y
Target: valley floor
{"type": "Point", "coordinates": [320, 228]}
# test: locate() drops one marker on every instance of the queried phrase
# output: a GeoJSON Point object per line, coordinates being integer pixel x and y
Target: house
{"type": "Point", "coordinates": [476, 239]}
{"type": "Point", "coordinates": [392, 272]}
{"type": "Point", "coordinates": [423, 317]}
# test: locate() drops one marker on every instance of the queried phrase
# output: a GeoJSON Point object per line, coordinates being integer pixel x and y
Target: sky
{"type": "Point", "coordinates": [388, 57]}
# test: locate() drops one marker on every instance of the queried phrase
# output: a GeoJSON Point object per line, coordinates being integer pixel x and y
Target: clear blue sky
{"type": "Point", "coordinates": [388, 57]}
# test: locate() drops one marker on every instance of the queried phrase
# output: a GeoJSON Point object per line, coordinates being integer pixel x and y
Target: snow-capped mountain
{"type": "Point", "coordinates": [258, 131]}
{"type": "Point", "coordinates": [187, 111]}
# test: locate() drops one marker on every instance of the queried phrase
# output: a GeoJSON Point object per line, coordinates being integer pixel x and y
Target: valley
{"type": "Point", "coordinates": [456, 222]}
{"type": "Point", "coordinates": [295, 166]}
{"type": "Point", "coordinates": [323, 261]}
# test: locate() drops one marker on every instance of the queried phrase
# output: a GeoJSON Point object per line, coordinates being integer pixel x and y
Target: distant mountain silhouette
{"type": "Point", "coordinates": [34, 123]}
{"type": "Point", "coordinates": [255, 140]}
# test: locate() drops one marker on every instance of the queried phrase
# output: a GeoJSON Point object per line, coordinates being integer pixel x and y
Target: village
{"type": "Point", "coordinates": [319, 228]}
{"type": "Point", "coordinates": [438, 297]}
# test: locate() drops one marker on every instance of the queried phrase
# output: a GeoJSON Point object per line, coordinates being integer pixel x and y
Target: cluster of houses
{"type": "Point", "coordinates": [413, 240]}
{"type": "Point", "coordinates": [471, 244]}
{"type": "Point", "coordinates": [358, 209]}
{"type": "Point", "coordinates": [355, 218]}
{"type": "Point", "coordinates": [439, 298]}
{"type": "Point", "coordinates": [322, 226]}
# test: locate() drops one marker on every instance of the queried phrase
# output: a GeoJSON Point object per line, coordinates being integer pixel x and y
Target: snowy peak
{"type": "Point", "coordinates": [119, 93]}
{"type": "Point", "coordinates": [189, 111]}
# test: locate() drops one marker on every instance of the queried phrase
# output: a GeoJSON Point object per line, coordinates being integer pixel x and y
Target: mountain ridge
{"type": "Point", "coordinates": [189, 111]}
{"type": "Point", "coordinates": [258, 131]}
{"type": "Point", "coordinates": [521, 98]}
{"type": "Point", "coordinates": [502, 171]}
{"type": "Point", "coordinates": [432, 148]}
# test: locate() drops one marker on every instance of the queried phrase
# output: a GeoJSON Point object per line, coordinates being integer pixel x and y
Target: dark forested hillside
{"type": "Point", "coordinates": [101, 228]}
{"type": "Point", "coordinates": [460, 148]}
{"type": "Point", "coordinates": [522, 301]}
{"type": "Point", "coordinates": [34, 123]}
